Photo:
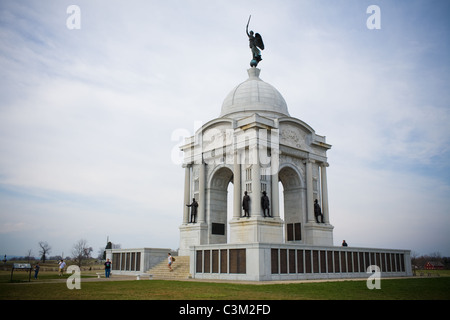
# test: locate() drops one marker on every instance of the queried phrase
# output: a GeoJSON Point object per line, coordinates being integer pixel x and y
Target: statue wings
{"type": "Point", "coordinates": [259, 41]}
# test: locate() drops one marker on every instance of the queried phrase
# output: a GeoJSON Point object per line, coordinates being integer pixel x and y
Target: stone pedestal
{"type": "Point", "coordinates": [318, 234]}
{"type": "Point", "coordinates": [192, 234]}
{"type": "Point", "coordinates": [256, 229]}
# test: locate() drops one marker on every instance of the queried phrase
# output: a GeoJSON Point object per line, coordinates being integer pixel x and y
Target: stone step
{"type": "Point", "coordinates": [180, 269]}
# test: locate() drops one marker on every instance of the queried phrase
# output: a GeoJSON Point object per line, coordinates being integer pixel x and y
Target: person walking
{"type": "Point", "coordinates": [62, 265]}
{"type": "Point", "coordinates": [170, 261]}
{"type": "Point", "coordinates": [107, 268]}
{"type": "Point", "coordinates": [36, 270]}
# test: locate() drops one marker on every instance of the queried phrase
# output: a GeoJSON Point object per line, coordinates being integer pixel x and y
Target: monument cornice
{"type": "Point", "coordinates": [256, 121]}
{"type": "Point", "coordinates": [301, 154]}
{"type": "Point", "coordinates": [321, 144]}
{"type": "Point", "coordinates": [296, 153]}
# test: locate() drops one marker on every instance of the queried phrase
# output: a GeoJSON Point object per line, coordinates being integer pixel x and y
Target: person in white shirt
{"type": "Point", "coordinates": [169, 260]}
{"type": "Point", "coordinates": [62, 265]}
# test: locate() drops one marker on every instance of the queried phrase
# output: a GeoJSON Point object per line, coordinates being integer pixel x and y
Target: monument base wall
{"type": "Point", "coordinates": [136, 261]}
{"type": "Point", "coordinates": [270, 262]}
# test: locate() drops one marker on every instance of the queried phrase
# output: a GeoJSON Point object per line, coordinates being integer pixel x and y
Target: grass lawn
{"type": "Point", "coordinates": [418, 288]}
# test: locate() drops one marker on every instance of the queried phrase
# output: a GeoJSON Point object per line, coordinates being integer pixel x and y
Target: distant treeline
{"type": "Point", "coordinates": [33, 258]}
{"type": "Point", "coordinates": [420, 261]}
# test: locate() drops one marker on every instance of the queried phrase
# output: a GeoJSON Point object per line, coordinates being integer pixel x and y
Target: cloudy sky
{"type": "Point", "coordinates": [90, 117]}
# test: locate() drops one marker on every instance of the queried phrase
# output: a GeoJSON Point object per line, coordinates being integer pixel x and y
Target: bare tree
{"type": "Point", "coordinates": [29, 256]}
{"type": "Point", "coordinates": [81, 252]}
{"type": "Point", "coordinates": [45, 249]}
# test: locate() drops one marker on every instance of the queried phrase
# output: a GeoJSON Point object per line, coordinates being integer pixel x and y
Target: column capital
{"type": "Point", "coordinates": [306, 161]}
{"type": "Point", "coordinates": [324, 164]}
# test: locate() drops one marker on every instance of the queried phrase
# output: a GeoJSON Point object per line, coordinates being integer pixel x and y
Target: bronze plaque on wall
{"type": "Point", "coordinates": [238, 263]}
{"type": "Point", "coordinates": [218, 228]}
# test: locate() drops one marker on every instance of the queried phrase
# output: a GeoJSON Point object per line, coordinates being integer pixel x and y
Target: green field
{"type": "Point", "coordinates": [51, 287]}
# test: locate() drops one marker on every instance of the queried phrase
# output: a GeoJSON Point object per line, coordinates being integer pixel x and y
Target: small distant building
{"type": "Point", "coordinates": [136, 261]}
{"type": "Point", "coordinates": [433, 265]}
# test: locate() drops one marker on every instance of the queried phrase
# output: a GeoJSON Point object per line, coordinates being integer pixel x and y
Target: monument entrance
{"type": "Point", "coordinates": [218, 200]}
{"type": "Point", "coordinates": [293, 203]}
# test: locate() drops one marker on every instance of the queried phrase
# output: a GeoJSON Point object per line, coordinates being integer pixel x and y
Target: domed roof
{"type": "Point", "coordinates": [254, 96]}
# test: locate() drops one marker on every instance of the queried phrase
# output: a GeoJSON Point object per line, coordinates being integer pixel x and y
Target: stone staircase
{"type": "Point", "coordinates": [180, 269]}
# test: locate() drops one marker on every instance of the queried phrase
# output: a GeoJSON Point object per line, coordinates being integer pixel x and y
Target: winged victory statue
{"type": "Point", "coordinates": [256, 45]}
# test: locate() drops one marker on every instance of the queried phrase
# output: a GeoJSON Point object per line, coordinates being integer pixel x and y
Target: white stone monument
{"type": "Point", "coordinates": [254, 144]}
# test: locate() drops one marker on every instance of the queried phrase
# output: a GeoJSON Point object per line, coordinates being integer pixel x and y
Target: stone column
{"type": "Point", "coordinates": [309, 191]}
{"type": "Point", "coordinates": [237, 186]}
{"type": "Point", "coordinates": [256, 185]}
{"type": "Point", "coordinates": [202, 196]}
{"type": "Point", "coordinates": [323, 174]}
{"type": "Point", "coordinates": [187, 192]}
{"type": "Point", "coordinates": [274, 163]}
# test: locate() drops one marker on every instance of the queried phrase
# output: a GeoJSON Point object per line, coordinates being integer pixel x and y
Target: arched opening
{"type": "Point", "coordinates": [291, 204]}
{"type": "Point", "coordinates": [220, 205]}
